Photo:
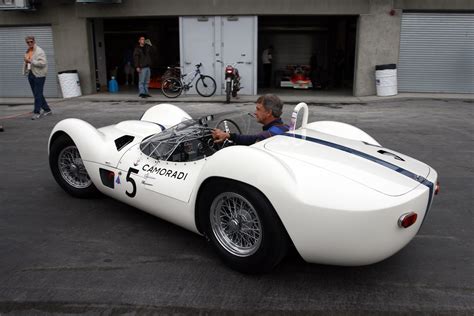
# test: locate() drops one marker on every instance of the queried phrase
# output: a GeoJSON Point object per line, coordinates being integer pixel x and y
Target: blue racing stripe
{"type": "Point", "coordinates": [379, 161]}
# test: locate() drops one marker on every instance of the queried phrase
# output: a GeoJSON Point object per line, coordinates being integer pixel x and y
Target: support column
{"type": "Point", "coordinates": [378, 42]}
{"type": "Point", "coordinates": [100, 53]}
{"type": "Point", "coordinates": [72, 47]}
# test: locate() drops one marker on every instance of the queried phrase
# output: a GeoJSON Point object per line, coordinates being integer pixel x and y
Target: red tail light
{"type": "Point", "coordinates": [407, 219]}
{"type": "Point", "coordinates": [229, 70]}
{"type": "Point", "coordinates": [437, 188]}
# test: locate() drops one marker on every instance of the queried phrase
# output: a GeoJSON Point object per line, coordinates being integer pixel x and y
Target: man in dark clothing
{"type": "Point", "coordinates": [267, 112]}
{"type": "Point", "coordinates": [142, 61]}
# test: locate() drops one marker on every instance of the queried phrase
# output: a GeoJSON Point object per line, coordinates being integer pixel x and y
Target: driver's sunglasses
{"type": "Point", "coordinates": [30, 42]}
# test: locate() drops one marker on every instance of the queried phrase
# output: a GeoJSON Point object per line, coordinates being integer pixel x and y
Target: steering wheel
{"type": "Point", "coordinates": [227, 126]}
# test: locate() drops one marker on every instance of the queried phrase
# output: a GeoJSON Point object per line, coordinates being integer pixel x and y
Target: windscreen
{"type": "Point", "coordinates": [191, 139]}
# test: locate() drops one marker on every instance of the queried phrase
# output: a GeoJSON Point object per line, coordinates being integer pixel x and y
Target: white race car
{"type": "Point", "coordinates": [327, 188]}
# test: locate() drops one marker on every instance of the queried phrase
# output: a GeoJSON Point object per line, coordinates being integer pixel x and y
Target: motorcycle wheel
{"type": "Point", "coordinates": [228, 88]}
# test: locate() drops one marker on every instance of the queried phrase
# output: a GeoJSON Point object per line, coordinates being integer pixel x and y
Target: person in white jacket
{"type": "Point", "coordinates": [35, 66]}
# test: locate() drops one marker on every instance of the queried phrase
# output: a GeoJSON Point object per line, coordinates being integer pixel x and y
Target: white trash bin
{"type": "Point", "coordinates": [386, 80]}
{"type": "Point", "coordinates": [69, 82]}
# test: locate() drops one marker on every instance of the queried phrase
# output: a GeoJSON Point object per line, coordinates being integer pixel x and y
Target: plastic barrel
{"type": "Point", "coordinates": [69, 82]}
{"type": "Point", "coordinates": [386, 80]}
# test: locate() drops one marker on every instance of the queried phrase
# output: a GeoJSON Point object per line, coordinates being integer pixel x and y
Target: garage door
{"type": "Point", "coordinates": [436, 53]}
{"type": "Point", "coordinates": [231, 39]}
{"type": "Point", "coordinates": [12, 49]}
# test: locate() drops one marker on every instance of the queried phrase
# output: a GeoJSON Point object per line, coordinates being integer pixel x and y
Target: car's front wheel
{"type": "Point", "coordinates": [68, 168]}
{"type": "Point", "coordinates": [242, 226]}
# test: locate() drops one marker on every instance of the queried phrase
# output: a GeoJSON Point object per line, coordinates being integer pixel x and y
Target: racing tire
{"type": "Point", "coordinates": [206, 86]}
{"type": "Point", "coordinates": [241, 225]}
{"type": "Point", "coordinates": [68, 169]}
{"type": "Point", "coordinates": [172, 87]}
{"type": "Point", "coordinates": [227, 91]}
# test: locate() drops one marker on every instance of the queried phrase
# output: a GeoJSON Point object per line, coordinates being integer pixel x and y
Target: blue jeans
{"type": "Point", "coordinates": [143, 80]}
{"type": "Point", "coordinates": [37, 86]}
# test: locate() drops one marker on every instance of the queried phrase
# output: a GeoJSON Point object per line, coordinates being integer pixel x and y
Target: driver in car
{"type": "Point", "coordinates": [268, 111]}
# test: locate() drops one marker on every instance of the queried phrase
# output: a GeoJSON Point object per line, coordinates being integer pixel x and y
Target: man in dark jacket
{"type": "Point", "coordinates": [142, 61]}
{"type": "Point", "coordinates": [267, 112]}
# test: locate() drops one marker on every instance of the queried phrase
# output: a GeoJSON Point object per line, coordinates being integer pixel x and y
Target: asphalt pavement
{"type": "Point", "coordinates": [63, 255]}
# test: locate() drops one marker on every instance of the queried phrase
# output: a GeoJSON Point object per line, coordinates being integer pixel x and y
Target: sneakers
{"type": "Point", "coordinates": [147, 96]}
{"type": "Point", "coordinates": [141, 95]}
{"type": "Point", "coordinates": [37, 116]}
{"type": "Point", "coordinates": [46, 113]}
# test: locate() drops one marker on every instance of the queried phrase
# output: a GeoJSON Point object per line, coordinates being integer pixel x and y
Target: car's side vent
{"type": "Point", "coordinates": [123, 141]}
{"type": "Point", "coordinates": [107, 177]}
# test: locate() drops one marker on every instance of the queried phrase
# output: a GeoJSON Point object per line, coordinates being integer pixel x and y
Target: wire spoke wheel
{"type": "Point", "coordinates": [235, 224]}
{"type": "Point", "coordinates": [206, 86]}
{"type": "Point", "coordinates": [72, 168]}
{"type": "Point", "coordinates": [171, 87]}
{"type": "Point", "coordinates": [242, 226]}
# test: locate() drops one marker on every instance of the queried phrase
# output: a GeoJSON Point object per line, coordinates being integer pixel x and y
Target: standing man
{"type": "Point", "coordinates": [267, 112]}
{"type": "Point", "coordinates": [267, 66]}
{"type": "Point", "coordinates": [35, 66]}
{"type": "Point", "coordinates": [142, 61]}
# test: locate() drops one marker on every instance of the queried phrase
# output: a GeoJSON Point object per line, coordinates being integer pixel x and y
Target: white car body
{"type": "Point", "coordinates": [338, 193]}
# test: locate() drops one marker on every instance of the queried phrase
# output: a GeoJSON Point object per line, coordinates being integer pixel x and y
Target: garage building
{"type": "Point", "coordinates": [335, 44]}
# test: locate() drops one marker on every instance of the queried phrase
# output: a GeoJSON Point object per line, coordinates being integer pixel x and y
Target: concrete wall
{"type": "Point", "coordinates": [70, 36]}
{"type": "Point", "coordinates": [378, 42]}
{"type": "Point", "coordinates": [224, 7]}
{"type": "Point", "coordinates": [435, 5]}
{"type": "Point", "coordinates": [378, 33]}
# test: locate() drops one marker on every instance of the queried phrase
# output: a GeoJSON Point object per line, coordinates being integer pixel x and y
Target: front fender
{"type": "Point", "coordinates": [90, 142]}
{"type": "Point", "coordinates": [165, 114]}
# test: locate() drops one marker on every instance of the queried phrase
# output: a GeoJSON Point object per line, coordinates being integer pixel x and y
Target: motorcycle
{"type": "Point", "coordinates": [232, 80]}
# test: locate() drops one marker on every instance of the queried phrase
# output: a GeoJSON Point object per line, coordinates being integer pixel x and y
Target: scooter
{"type": "Point", "coordinates": [232, 80]}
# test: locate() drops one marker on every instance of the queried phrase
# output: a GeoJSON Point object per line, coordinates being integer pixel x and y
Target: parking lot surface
{"type": "Point", "coordinates": [63, 255]}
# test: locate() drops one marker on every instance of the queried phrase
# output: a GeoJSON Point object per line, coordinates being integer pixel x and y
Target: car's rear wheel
{"type": "Point", "coordinates": [242, 226]}
{"type": "Point", "coordinates": [68, 168]}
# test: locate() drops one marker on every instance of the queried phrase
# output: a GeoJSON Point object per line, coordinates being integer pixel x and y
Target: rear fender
{"type": "Point", "coordinates": [342, 130]}
{"type": "Point", "coordinates": [254, 167]}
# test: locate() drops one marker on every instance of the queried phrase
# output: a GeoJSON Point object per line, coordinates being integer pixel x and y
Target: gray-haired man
{"type": "Point", "coordinates": [267, 112]}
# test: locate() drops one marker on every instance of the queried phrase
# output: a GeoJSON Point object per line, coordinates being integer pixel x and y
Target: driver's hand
{"type": "Point", "coordinates": [219, 135]}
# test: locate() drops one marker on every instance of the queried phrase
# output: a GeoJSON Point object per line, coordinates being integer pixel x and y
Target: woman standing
{"type": "Point", "coordinates": [36, 67]}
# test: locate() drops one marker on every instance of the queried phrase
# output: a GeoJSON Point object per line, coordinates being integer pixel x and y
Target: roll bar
{"type": "Point", "coordinates": [294, 115]}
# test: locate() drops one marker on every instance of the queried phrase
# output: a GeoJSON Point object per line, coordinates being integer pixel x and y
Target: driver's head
{"type": "Point", "coordinates": [269, 107]}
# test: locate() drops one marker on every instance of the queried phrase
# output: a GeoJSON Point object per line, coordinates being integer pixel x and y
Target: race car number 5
{"type": "Point", "coordinates": [134, 185]}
